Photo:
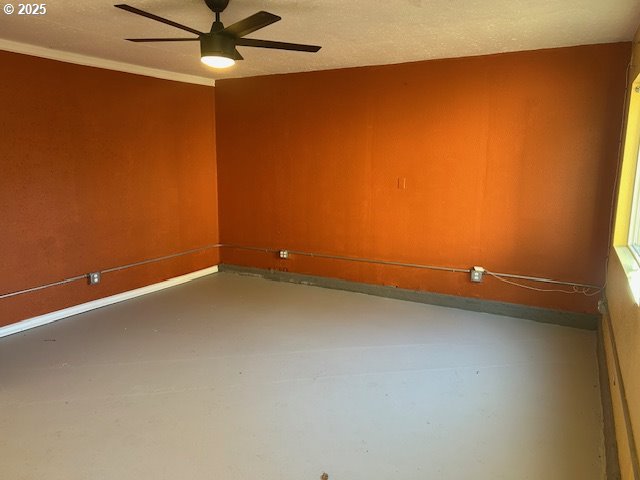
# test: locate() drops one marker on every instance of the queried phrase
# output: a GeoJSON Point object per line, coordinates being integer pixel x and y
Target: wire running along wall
{"type": "Point", "coordinates": [576, 288]}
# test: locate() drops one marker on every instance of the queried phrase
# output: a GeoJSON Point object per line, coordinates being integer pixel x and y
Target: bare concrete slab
{"type": "Point", "coordinates": [235, 377]}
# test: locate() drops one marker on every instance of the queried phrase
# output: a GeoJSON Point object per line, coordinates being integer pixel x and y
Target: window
{"type": "Point", "coordinates": [626, 237]}
{"type": "Point", "coordinates": [634, 225]}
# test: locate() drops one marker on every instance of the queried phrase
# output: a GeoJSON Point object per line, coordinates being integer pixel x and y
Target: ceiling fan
{"type": "Point", "coordinates": [218, 47]}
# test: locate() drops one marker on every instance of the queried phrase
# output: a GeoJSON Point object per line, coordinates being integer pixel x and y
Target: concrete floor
{"type": "Point", "coordinates": [231, 377]}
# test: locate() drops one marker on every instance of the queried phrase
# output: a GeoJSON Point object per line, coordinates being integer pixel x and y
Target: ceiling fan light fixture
{"type": "Point", "coordinates": [217, 61]}
{"type": "Point", "coordinates": [217, 51]}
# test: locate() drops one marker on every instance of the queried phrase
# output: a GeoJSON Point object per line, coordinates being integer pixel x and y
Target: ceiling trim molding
{"type": "Point", "coordinates": [78, 59]}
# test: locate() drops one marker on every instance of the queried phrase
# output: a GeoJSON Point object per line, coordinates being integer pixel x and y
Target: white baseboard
{"type": "Point", "coordinates": [102, 302]}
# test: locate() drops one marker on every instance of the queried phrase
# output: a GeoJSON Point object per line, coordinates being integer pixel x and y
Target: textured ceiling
{"type": "Point", "coordinates": [352, 33]}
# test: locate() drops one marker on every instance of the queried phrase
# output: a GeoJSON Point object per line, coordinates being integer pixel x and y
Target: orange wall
{"type": "Point", "coordinates": [100, 169]}
{"type": "Point", "coordinates": [509, 163]}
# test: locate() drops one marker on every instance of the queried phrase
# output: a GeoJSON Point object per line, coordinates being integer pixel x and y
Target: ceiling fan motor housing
{"type": "Point", "coordinates": [220, 45]}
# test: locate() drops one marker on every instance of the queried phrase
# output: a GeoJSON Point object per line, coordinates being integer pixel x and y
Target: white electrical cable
{"type": "Point", "coordinates": [574, 290]}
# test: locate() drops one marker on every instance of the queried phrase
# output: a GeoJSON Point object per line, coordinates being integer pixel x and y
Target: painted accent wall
{"type": "Point", "coordinates": [504, 161]}
{"type": "Point", "coordinates": [621, 328]}
{"type": "Point", "coordinates": [100, 169]}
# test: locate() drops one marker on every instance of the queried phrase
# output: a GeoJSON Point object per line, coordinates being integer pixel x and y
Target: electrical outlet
{"type": "Point", "coordinates": [94, 278]}
{"type": "Point", "coordinates": [602, 306]}
{"type": "Point", "coordinates": [284, 254]}
{"type": "Point", "coordinates": [477, 273]}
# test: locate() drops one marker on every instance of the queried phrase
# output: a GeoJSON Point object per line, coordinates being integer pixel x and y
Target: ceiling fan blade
{"type": "Point", "coordinates": [137, 11]}
{"type": "Point", "coordinates": [141, 40]}
{"type": "Point", "coordinates": [237, 56]}
{"type": "Point", "coordinates": [251, 24]}
{"type": "Point", "coordinates": [252, 42]}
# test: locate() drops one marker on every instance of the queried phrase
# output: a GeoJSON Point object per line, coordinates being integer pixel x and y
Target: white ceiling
{"type": "Point", "coordinates": [351, 32]}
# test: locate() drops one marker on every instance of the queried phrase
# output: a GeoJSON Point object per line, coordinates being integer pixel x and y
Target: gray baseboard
{"type": "Point", "coordinates": [546, 315]}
